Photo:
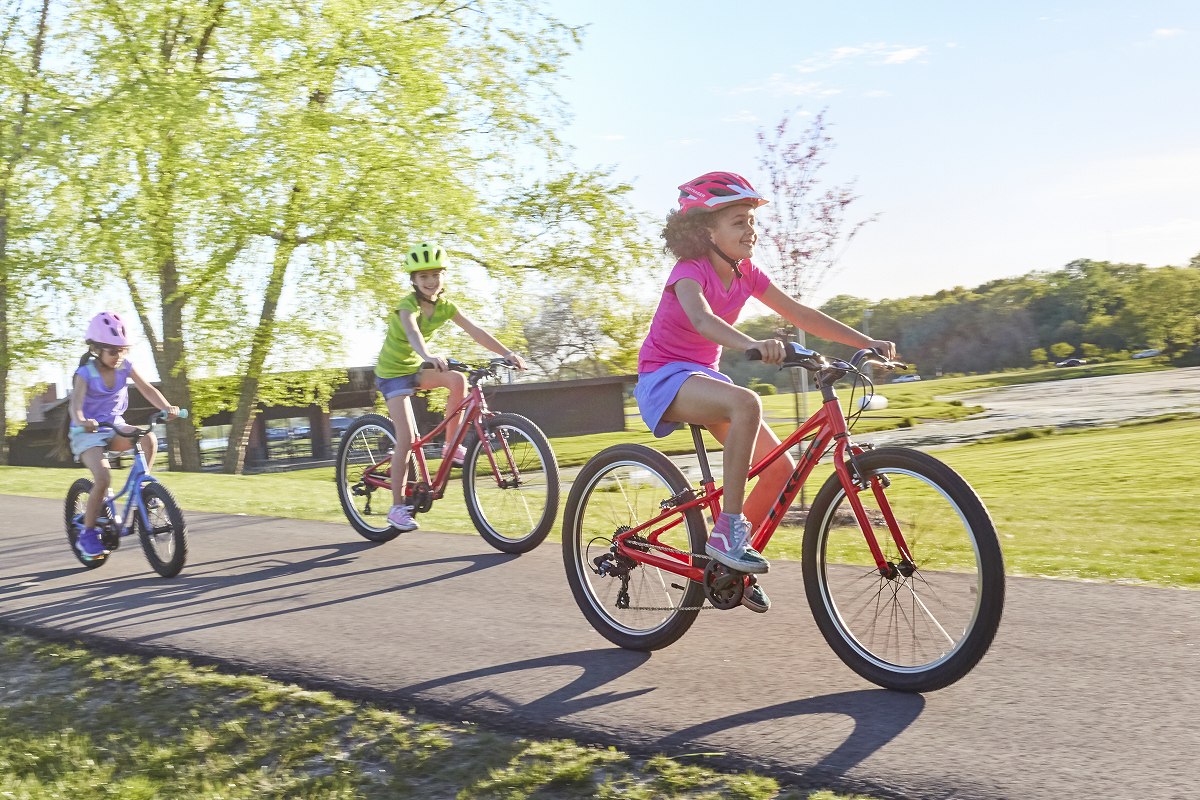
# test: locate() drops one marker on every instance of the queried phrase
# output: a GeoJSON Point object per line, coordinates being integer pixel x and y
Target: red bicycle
{"type": "Point", "coordinates": [902, 567]}
{"type": "Point", "coordinates": [509, 475]}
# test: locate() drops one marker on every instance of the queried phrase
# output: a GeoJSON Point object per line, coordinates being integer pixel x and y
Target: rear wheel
{"type": "Point", "coordinates": [367, 443]}
{"type": "Point", "coordinates": [631, 604]}
{"type": "Point", "coordinates": [926, 624]}
{"type": "Point", "coordinates": [165, 540]}
{"type": "Point", "coordinates": [514, 505]}
{"type": "Point", "coordinates": [77, 498]}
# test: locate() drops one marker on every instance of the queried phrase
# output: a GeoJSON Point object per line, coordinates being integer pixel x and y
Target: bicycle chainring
{"type": "Point", "coordinates": [420, 497]}
{"type": "Point", "coordinates": [722, 586]}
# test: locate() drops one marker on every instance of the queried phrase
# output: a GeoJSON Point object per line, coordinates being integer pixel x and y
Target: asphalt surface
{"type": "Point", "coordinates": [1089, 689]}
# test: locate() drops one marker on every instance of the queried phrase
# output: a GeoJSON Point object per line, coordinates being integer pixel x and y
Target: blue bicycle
{"type": "Point", "coordinates": [150, 511]}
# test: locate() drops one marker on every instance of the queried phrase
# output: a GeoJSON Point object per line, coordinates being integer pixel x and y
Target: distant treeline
{"type": "Point", "coordinates": [1090, 309]}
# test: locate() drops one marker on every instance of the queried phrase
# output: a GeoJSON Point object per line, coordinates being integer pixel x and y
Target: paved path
{"type": "Point", "coordinates": [1078, 403]}
{"type": "Point", "coordinates": [1088, 690]}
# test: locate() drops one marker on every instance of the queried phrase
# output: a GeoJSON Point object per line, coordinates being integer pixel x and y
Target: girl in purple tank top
{"type": "Point", "coordinates": [100, 396]}
{"type": "Point", "coordinates": [713, 234]}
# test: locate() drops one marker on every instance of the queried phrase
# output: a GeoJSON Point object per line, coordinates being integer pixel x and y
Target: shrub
{"type": "Point", "coordinates": [762, 389]}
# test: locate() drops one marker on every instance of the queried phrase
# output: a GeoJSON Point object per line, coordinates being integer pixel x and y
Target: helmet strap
{"type": "Point", "coordinates": [733, 262]}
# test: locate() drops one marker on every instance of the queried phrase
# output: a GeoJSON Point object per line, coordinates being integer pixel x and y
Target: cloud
{"type": "Point", "coordinates": [742, 116]}
{"type": "Point", "coordinates": [613, 137]}
{"type": "Point", "coordinates": [795, 83]}
{"type": "Point", "coordinates": [873, 54]}
{"type": "Point", "coordinates": [1168, 33]}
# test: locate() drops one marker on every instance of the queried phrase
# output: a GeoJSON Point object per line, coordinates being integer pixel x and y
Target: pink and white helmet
{"type": "Point", "coordinates": [107, 327]}
{"type": "Point", "coordinates": [715, 189]}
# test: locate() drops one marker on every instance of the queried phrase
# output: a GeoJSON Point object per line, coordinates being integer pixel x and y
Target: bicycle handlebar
{"type": "Point", "coordinates": [160, 416]}
{"type": "Point", "coordinates": [797, 356]}
{"type": "Point", "coordinates": [474, 374]}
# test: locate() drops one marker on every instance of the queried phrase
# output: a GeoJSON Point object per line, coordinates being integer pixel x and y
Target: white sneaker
{"type": "Point", "coordinates": [460, 455]}
{"type": "Point", "coordinates": [400, 518]}
{"type": "Point", "coordinates": [727, 544]}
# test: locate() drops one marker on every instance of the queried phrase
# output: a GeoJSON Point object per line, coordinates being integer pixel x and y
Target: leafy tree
{"type": "Point", "coordinates": [291, 155]}
{"type": "Point", "coordinates": [1062, 349]}
{"type": "Point", "coordinates": [1038, 355]}
{"type": "Point", "coordinates": [25, 263]}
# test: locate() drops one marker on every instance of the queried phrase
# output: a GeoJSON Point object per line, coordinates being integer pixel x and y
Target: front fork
{"type": "Point", "coordinates": [855, 480]}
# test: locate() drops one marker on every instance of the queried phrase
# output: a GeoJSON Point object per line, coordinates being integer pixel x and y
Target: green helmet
{"type": "Point", "coordinates": [425, 256]}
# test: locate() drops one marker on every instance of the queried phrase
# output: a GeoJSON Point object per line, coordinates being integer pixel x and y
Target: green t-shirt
{"type": "Point", "coordinates": [397, 356]}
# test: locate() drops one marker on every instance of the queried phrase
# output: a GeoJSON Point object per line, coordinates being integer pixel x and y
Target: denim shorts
{"type": "Point", "coordinates": [82, 441]}
{"type": "Point", "coordinates": [402, 386]}
{"type": "Point", "coordinates": [656, 390]}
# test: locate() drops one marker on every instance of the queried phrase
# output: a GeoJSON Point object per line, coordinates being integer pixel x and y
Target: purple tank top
{"type": "Point", "coordinates": [102, 403]}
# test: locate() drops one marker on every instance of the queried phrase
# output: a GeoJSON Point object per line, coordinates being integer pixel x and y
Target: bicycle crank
{"type": "Point", "coordinates": [722, 586]}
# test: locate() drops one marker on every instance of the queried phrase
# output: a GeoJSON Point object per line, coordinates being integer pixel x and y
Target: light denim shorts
{"type": "Point", "coordinates": [656, 390]}
{"type": "Point", "coordinates": [402, 386]}
{"type": "Point", "coordinates": [82, 441]}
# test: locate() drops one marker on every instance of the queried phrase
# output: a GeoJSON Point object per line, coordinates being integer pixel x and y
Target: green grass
{"type": "Point", "coordinates": [79, 724]}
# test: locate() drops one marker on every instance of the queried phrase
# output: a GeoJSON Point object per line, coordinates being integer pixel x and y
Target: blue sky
{"type": "Point", "coordinates": [993, 139]}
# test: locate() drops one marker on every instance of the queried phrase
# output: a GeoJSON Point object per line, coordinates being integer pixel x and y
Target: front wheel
{"type": "Point", "coordinates": [367, 443]}
{"type": "Point", "coordinates": [77, 498]}
{"type": "Point", "coordinates": [928, 622]}
{"type": "Point", "coordinates": [513, 504]}
{"type": "Point", "coordinates": [164, 540]}
{"type": "Point", "coordinates": [633, 605]}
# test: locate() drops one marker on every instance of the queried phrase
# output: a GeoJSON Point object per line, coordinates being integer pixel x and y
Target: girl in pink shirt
{"type": "Point", "coordinates": [713, 234]}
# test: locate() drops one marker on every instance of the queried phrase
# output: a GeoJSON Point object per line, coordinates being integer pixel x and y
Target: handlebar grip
{"type": "Point", "coordinates": [183, 413]}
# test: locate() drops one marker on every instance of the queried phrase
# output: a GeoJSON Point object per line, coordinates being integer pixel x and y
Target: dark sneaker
{"type": "Point", "coordinates": [755, 599]}
{"type": "Point", "coordinates": [727, 544]}
{"type": "Point", "coordinates": [400, 518]}
{"type": "Point", "coordinates": [89, 545]}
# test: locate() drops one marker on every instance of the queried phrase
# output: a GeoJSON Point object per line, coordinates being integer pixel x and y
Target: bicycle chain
{"type": "Point", "coordinates": [667, 548]}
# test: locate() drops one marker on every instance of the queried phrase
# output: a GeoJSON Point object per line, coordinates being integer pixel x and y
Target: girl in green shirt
{"type": "Point", "coordinates": [399, 374]}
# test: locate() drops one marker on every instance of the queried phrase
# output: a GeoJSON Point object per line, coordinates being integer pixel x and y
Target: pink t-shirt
{"type": "Point", "coordinates": [672, 336]}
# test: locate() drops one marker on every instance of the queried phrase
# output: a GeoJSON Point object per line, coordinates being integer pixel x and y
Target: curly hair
{"type": "Point", "coordinates": [687, 235]}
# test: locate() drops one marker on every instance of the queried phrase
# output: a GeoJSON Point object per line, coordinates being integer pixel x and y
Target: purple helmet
{"type": "Point", "coordinates": [107, 327]}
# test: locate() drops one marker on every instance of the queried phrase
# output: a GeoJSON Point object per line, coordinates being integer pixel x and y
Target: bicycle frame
{"type": "Point", "coordinates": [138, 476]}
{"type": "Point", "coordinates": [829, 430]}
{"type": "Point", "coordinates": [474, 409]}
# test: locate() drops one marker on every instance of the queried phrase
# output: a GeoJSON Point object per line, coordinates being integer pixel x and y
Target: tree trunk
{"type": "Point", "coordinates": [264, 337]}
{"type": "Point", "coordinates": [17, 144]}
{"type": "Point", "coordinates": [5, 358]}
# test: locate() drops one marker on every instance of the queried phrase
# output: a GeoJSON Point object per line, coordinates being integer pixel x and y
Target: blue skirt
{"type": "Point", "coordinates": [656, 390]}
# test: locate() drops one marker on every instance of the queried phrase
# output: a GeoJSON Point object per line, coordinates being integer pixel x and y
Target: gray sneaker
{"type": "Point", "coordinates": [727, 544]}
{"type": "Point", "coordinates": [755, 599]}
{"type": "Point", "coordinates": [400, 518]}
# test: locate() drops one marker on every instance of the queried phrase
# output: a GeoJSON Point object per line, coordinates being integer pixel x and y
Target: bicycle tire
{"type": "Point", "coordinates": [661, 605]}
{"type": "Point", "coordinates": [511, 518]}
{"type": "Point", "coordinates": [912, 633]}
{"type": "Point", "coordinates": [368, 441]}
{"type": "Point", "coordinates": [165, 541]}
{"type": "Point", "coordinates": [77, 497]}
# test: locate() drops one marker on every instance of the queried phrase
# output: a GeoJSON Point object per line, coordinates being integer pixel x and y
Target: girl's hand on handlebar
{"type": "Point", "coordinates": [514, 358]}
{"type": "Point", "coordinates": [172, 412]}
{"type": "Point", "coordinates": [884, 348]}
{"type": "Point", "coordinates": [439, 363]}
{"type": "Point", "coordinates": [90, 425]}
{"type": "Point", "coordinates": [771, 350]}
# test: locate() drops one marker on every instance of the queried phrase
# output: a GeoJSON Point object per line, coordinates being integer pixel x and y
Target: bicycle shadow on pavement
{"type": "Point", "coordinates": [874, 716]}
{"type": "Point", "coordinates": [596, 668]}
{"type": "Point", "coordinates": [223, 597]}
{"type": "Point", "coordinates": [815, 739]}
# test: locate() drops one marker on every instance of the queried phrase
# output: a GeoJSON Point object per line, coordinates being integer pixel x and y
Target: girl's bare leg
{"type": "Point", "coordinates": [93, 458]}
{"type": "Point", "coordinates": [400, 410]}
{"type": "Point", "coordinates": [738, 412]}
